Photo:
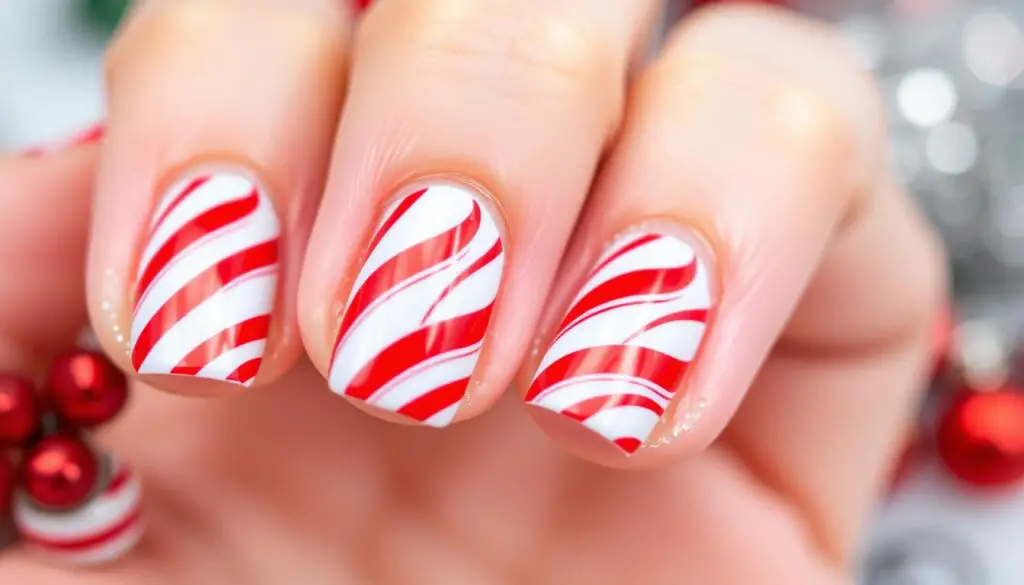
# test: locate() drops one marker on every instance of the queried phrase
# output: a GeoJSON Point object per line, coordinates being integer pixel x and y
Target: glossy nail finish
{"type": "Point", "coordinates": [415, 320]}
{"type": "Point", "coordinates": [627, 339]}
{"type": "Point", "coordinates": [207, 280]}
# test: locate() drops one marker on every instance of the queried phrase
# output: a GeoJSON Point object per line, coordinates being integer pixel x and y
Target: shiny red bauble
{"type": "Point", "coordinates": [86, 389]}
{"type": "Point", "coordinates": [60, 472]}
{"type": "Point", "coordinates": [19, 410]}
{"type": "Point", "coordinates": [980, 438]}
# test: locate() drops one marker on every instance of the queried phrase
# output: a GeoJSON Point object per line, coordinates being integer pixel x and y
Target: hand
{"type": "Point", "coordinates": [751, 150]}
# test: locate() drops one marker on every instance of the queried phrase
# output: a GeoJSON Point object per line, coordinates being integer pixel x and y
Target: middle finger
{"type": "Point", "coordinates": [469, 137]}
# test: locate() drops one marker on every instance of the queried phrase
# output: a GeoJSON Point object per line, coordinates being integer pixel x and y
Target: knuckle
{"type": "Point", "coordinates": [806, 120]}
{"type": "Point", "coordinates": [194, 31]}
{"type": "Point", "coordinates": [553, 49]}
{"type": "Point", "coordinates": [158, 24]}
{"type": "Point", "coordinates": [815, 90]}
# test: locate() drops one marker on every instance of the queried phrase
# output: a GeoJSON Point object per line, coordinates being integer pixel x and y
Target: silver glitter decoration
{"type": "Point", "coordinates": [926, 557]}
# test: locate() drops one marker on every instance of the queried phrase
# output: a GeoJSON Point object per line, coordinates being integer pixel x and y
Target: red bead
{"type": "Point", "coordinates": [362, 5]}
{"type": "Point", "coordinates": [981, 438]}
{"type": "Point", "coordinates": [6, 484]}
{"type": "Point", "coordinates": [19, 409]}
{"type": "Point", "coordinates": [60, 472]}
{"type": "Point", "coordinates": [86, 389]}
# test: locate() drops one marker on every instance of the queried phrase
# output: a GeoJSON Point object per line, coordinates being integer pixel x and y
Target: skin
{"type": "Point", "coordinates": [752, 126]}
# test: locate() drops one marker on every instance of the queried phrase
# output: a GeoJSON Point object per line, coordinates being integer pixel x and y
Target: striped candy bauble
{"type": "Point", "coordinates": [207, 280]}
{"type": "Point", "coordinates": [627, 339]}
{"type": "Point", "coordinates": [420, 305]}
{"type": "Point", "coordinates": [106, 527]}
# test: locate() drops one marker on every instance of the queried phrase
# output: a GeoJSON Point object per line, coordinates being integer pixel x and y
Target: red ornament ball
{"type": "Point", "coordinates": [86, 388]}
{"type": "Point", "coordinates": [981, 438]}
{"type": "Point", "coordinates": [19, 410]}
{"type": "Point", "coordinates": [60, 472]}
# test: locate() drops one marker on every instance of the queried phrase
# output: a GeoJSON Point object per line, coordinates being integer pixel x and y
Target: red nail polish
{"type": "Point", "coordinates": [415, 321]}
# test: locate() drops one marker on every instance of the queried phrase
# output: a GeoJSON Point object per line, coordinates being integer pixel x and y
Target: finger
{"type": "Point", "coordinates": [44, 214]}
{"type": "Point", "coordinates": [750, 166]}
{"type": "Point", "coordinates": [467, 146]}
{"type": "Point", "coordinates": [218, 136]}
{"type": "Point", "coordinates": [832, 405]}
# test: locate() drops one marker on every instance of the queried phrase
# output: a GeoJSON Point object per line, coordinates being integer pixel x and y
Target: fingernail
{"type": "Point", "coordinates": [628, 338]}
{"type": "Point", "coordinates": [91, 134]}
{"type": "Point", "coordinates": [206, 280]}
{"type": "Point", "coordinates": [415, 320]}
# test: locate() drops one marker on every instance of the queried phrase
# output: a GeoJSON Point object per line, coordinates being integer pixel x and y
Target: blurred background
{"type": "Point", "coordinates": [952, 72]}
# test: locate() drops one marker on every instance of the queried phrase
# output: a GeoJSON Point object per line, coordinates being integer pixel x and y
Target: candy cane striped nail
{"type": "Point", "coordinates": [627, 339]}
{"type": "Point", "coordinates": [206, 280]}
{"type": "Point", "coordinates": [415, 320]}
{"type": "Point", "coordinates": [101, 530]}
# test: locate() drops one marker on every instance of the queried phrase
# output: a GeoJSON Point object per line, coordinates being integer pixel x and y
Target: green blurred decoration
{"type": "Point", "coordinates": [105, 14]}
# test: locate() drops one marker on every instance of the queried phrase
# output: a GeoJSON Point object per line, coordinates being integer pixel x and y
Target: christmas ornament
{"type": "Point", "coordinates": [72, 501]}
{"type": "Point", "coordinates": [60, 472]}
{"type": "Point", "coordinates": [86, 389]}
{"type": "Point", "coordinates": [102, 529]}
{"type": "Point", "coordinates": [19, 411]}
{"type": "Point", "coordinates": [980, 438]}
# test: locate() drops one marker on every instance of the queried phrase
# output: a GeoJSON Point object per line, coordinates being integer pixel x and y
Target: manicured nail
{"type": "Point", "coordinates": [415, 320]}
{"type": "Point", "coordinates": [91, 134]}
{"type": "Point", "coordinates": [628, 338]}
{"type": "Point", "coordinates": [207, 279]}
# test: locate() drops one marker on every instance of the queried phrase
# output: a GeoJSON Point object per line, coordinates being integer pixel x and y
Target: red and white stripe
{"type": "Point", "coordinates": [102, 530]}
{"type": "Point", "coordinates": [627, 339]}
{"type": "Point", "coordinates": [419, 307]}
{"type": "Point", "coordinates": [207, 280]}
